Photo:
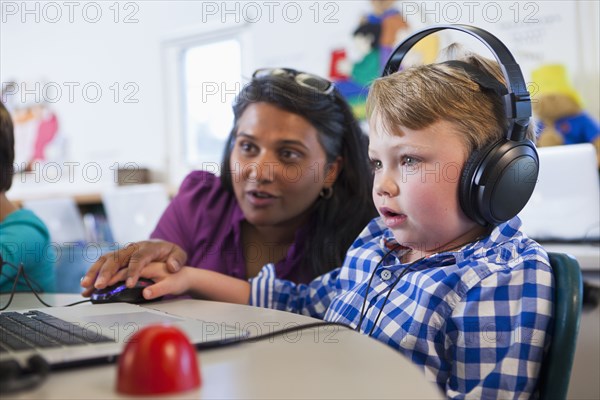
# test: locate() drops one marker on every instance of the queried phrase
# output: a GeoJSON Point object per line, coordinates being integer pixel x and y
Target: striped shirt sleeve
{"type": "Point", "coordinates": [311, 299]}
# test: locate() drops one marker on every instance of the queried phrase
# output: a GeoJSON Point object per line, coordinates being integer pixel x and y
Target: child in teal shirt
{"type": "Point", "coordinates": [24, 239]}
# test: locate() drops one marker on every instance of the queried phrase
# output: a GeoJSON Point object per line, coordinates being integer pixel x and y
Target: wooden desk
{"type": "Point", "coordinates": [81, 199]}
{"type": "Point", "coordinates": [303, 365]}
{"type": "Point", "coordinates": [69, 181]}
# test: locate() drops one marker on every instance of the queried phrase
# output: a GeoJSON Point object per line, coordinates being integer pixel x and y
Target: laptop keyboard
{"type": "Point", "coordinates": [35, 329]}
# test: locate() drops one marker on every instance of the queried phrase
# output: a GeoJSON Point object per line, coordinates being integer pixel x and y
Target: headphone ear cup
{"type": "Point", "coordinates": [498, 184]}
{"type": "Point", "coordinates": [468, 189]}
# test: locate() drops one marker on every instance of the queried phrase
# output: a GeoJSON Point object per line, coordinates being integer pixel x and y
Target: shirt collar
{"type": "Point", "coordinates": [500, 234]}
{"type": "Point", "coordinates": [488, 246]}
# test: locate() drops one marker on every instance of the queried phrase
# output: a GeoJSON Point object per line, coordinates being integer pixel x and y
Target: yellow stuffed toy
{"type": "Point", "coordinates": [558, 108]}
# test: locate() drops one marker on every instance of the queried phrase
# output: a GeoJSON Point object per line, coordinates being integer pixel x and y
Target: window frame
{"type": "Point", "coordinates": [173, 58]}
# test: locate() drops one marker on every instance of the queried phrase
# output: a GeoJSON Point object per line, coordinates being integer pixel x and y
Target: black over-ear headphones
{"type": "Point", "coordinates": [497, 181]}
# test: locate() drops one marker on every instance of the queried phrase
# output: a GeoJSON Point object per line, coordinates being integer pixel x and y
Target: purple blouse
{"type": "Point", "coordinates": [204, 219]}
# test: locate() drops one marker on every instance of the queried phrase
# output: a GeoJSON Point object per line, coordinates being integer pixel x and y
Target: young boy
{"type": "Point", "coordinates": [471, 304]}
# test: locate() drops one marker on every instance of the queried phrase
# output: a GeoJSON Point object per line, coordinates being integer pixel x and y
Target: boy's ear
{"type": "Point", "coordinates": [333, 171]}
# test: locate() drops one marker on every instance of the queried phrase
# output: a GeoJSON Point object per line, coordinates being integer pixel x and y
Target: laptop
{"type": "Point", "coordinates": [62, 218]}
{"type": "Point", "coordinates": [134, 210]}
{"type": "Point", "coordinates": [80, 335]}
{"type": "Point", "coordinates": [564, 204]}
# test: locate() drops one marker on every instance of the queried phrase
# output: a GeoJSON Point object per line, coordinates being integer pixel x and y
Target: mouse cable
{"type": "Point", "coordinates": [21, 272]}
{"type": "Point", "coordinates": [14, 377]}
{"type": "Point", "coordinates": [218, 344]}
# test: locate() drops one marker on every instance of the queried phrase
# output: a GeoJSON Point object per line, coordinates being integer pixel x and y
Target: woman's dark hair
{"type": "Point", "coordinates": [7, 149]}
{"type": "Point", "coordinates": [339, 219]}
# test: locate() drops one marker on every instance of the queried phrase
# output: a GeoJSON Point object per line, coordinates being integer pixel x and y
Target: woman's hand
{"type": "Point", "coordinates": [127, 263]}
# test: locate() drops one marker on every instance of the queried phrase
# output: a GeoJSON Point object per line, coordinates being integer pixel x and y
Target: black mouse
{"type": "Point", "coordinates": [120, 293]}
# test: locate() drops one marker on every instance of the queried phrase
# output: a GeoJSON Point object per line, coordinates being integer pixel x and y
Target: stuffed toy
{"type": "Point", "coordinates": [385, 14]}
{"type": "Point", "coordinates": [353, 78]}
{"type": "Point", "coordinates": [378, 33]}
{"type": "Point", "coordinates": [559, 111]}
{"type": "Point", "coordinates": [373, 41]}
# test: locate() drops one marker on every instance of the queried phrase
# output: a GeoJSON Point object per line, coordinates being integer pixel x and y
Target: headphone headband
{"type": "Point", "coordinates": [517, 102]}
{"type": "Point", "coordinates": [484, 80]}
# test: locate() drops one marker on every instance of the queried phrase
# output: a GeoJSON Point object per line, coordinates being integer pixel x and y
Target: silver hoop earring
{"type": "Point", "coordinates": [326, 193]}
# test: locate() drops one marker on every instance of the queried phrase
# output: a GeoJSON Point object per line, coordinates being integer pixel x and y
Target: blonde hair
{"type": "Point", "coordinates": [420, 96]}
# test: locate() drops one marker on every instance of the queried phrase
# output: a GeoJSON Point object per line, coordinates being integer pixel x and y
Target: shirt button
{"type": "Point", "coordinates": [385, 274]}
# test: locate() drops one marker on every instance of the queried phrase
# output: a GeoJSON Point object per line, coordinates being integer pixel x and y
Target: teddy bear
{"type": "Point", "coordinates": [559, 112]}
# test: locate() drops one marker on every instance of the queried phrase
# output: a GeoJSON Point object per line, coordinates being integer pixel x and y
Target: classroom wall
{"type": "Point", "coordinates": [83, 55]}
{"type": "Point", "coordinates": [81, 48]}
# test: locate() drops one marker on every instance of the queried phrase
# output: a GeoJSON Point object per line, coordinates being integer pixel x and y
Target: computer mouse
{"type": "Point", "coordinates": [120, 293]}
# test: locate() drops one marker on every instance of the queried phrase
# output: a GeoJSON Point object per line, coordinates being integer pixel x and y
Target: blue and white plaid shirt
{"type": "Point", "coordinates": [477, 319]}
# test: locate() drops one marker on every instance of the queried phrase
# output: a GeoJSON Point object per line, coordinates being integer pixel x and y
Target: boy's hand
{"type": "Point", "coordinates": [166, 282]}
{"type": "Point", "coordinates": [108, 269]}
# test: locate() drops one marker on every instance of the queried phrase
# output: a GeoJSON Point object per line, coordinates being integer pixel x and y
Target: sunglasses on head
{"type": "Point", "coordinates": [305, 79]}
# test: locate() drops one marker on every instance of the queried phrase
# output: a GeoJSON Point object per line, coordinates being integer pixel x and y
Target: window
{"type": "Point", "coordinates": [211, 79]}
{"type": "Point", "coordinates": [202, 75]}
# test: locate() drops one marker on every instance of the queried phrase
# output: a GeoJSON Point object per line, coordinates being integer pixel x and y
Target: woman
{"type": "Point", "coordinates": [294, 190]}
